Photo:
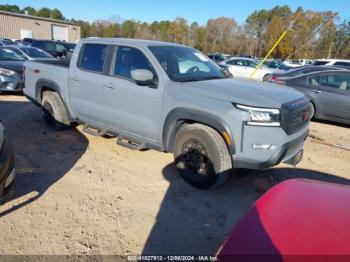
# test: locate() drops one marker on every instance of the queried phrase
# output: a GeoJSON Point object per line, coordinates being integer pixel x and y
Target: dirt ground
{"type": "Point", "coordinates": [79, 194]}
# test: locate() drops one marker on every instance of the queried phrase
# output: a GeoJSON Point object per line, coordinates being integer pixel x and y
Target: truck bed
{"type": "Point", "coordinates": [56, 72]}
{"type": "Point", "coordinates": [62, 63]}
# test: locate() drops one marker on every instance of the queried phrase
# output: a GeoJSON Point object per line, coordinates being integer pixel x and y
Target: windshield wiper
{"type": "Point", "coordinates": [200, 79]}
{"type": "Point", "coordinates": [211, 78]}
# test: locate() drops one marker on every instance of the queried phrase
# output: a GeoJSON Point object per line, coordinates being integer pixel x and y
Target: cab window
{"type": "Point", "coordinates": [128, 59]}
{"type": "Point", "coordinates": [93, 57]}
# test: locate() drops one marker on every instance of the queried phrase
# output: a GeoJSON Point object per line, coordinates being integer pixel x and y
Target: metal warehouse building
{"type": "Point", "coordinates": [19, 26]}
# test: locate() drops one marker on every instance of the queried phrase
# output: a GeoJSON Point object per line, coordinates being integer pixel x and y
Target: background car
{"type": "Point", "coordinates": [217, 58]}
{"type": "Point", "coordinates": [27, 41]}
{"type": "Point", "coordinates": [31, 53]}
{"type": "Point", "coordinates": [7, 167]}
{"type": "Point", "coordinates": [329, 92]}
{"type": "Point", "coordinates": [335, 62]}
{"type": "Point", "coordinates": [244, 67]}
{"type": "Point", "coordinates": [11, 70]}
{"type": "Point", "coordinates": [6, 41]}
{"type": "Point", "coordinates": [277, 76]}
{"type": "Point", "coordinates": [296, 219]}
{"type": "Point", "coordinates": [55, 48]}
{"type": "Point", "coordinates": [272, 63]}
{"type": "Point", "coordinates": [226, 71]}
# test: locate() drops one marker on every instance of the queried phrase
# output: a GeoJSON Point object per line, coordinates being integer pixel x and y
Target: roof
{"type": "Point", "coordinates": [37, 18]}
{"type": "Point", "coordinates": [332, 60]}
{"type": "Point", "coordinates": [296, 217]}
{"type": "Point", "coordinates": [242, 58]}
{"type": "Point", "coordinates": [140, 42]}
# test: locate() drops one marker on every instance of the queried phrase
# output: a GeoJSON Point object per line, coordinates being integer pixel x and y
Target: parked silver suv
{"type": "Point", "coordinates": [172, 98]}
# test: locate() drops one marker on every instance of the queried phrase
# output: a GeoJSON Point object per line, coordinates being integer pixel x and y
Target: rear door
{"type": "Point", "coordinates": [87, 81]}
{"type": "Point", "coordinates": [333, 94]}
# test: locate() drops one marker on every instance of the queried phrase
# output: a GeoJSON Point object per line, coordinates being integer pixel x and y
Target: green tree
{"type": "Point", "coordinates": [56, 14]}
{"type": "Point", "coordinates": [44, 12]}
{"type": "Point", "coordinates": [178, 31]}
{"type": "Point", "coordinates": [342, 40]}
{"type": "Point", "coordinates": [11, 8]}
{"type": "Point", "coordinates": [112, 30]}
{"type": "Point", "coordinates": [30, 10]}
{"type": "Point", "coordinates": [129, 28]}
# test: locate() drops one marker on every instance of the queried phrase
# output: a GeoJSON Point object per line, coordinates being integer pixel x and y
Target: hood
{"type": "Point", "coordinates": [246, 92]}
{"type": "Point", "coordinates": [12, 65]}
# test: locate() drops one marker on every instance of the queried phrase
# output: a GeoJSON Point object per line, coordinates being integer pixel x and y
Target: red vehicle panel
{"type": "Point", "coordinates": [295, 218]}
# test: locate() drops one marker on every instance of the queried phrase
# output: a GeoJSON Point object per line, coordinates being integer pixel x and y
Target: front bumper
{"type": "Point", "coordinates": [11, 83]}
{"type": "Point", "coordinates": [7, 171]}
{"type": "Point", "coordinates": [289, 152]}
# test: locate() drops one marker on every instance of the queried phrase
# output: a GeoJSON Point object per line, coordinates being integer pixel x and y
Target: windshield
{"type": "Point", "coordinates": [35, 52]}
{"type": "Point", "coordinates": [8, 55]}
{"type": "Point", "coordinates": [185, 64]}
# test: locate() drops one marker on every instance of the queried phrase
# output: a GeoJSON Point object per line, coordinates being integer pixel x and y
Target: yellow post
{"type": "Point", "coordinates": [269, 53]}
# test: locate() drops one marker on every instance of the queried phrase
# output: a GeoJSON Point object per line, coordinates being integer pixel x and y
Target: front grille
{"type": "Point", "coordinates": [295, 115]}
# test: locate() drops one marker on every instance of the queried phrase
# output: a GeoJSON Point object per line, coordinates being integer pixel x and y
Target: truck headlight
{"type": "Point", "coordinates": [262, 116]}
{"type": "Point", "coordinates": [7, 72]}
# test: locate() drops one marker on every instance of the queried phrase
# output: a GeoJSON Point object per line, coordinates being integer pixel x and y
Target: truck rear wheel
{"type": "Point", "coordinates": [54, 112]}
{"type": "Point", "coordinates": [201, 156]}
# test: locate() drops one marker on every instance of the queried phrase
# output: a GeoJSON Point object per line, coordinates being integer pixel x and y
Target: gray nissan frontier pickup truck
{"type": "Point", "coordinates": [171, 98]}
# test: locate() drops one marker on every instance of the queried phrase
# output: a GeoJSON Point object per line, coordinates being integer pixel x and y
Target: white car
{"type": "Point", "coordinates": [244, 67]}
{"type": "Point", "coordinates": [335, 62]}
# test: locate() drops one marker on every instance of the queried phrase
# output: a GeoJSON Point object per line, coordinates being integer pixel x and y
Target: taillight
{"type": "Point", "coordinates": [274, 78]}
{"type": "Point", "coordinates": [280, 82]}
{"type": "Point", "coordinates": [36, 71]}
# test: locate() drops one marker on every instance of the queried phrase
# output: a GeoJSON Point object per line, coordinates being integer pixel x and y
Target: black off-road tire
{"type": "Point", "coordinates": [201, 156]}
{"type": "Point", "coordinates": [54, 111]}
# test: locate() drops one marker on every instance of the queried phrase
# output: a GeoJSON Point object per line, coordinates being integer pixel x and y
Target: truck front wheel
{"type": "Point", "coordinates": [201, 156]}
{"type": "Point", "coordinates": [54, 112]}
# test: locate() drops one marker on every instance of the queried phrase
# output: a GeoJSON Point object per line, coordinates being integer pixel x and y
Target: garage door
{"type": "Point", "coordinates": [26, 33]}
{"type": "Point", "coordinates": [59, 33]}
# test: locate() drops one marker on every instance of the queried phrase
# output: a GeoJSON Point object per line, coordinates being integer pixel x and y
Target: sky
{"type": "Point", "coordinates": [193, 10]}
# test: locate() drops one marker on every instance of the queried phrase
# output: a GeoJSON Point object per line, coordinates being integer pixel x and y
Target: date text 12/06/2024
{"type": "Point", "coordinates": [172, 258]}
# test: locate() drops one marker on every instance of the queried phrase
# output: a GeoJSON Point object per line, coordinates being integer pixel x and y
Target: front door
{"type": "Point", "coordinates": [132, 108]}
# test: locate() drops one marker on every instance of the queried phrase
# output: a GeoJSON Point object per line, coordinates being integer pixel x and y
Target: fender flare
{"type": "Point", "coordinates": [178, 116]}
{"type": "Point", "coordinates": [46, 83]}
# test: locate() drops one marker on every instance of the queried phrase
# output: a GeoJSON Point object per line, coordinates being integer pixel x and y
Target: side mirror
{"type": "Point", "coordinates": [143, 77]}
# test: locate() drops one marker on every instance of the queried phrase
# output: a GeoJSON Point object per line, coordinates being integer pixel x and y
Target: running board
{"type": "Point", "coordinates": [94, 132]}
{"type": "Point", "coordinates": [122, 141]}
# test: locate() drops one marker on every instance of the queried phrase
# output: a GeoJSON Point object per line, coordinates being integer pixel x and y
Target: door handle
{"type": "Point", "coordinates": [75, 78]}
{"type": "Point", "coordinates": [109, 86]}
{"type": "Point", "coordinates": [317, 91]}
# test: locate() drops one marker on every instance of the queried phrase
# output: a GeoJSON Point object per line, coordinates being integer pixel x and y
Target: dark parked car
{"type": "Point", "coordinates": [11, 70]}
{"type": "Point", "coordinates": [31, 53]}
{"type": "Point", "coordinates": [217, 58]}
{"type": "Point", "coordinates": [277, 76]}
{"type": "Point", "coordinates": [7, 167]}
{"type": "Point", "coordinates": [297, 220]}
{"type": "Point", "coordinates": [27, 41]}
{"type": "Point", "coordinates": [225, 70]}
{"type": "Point", "coordinates": [5, 41]}
{"type": "Point", "coordinates": [272, 63]}
{"type": "Point", "coordinates": [57, 49]}
{"type": "Point", "coordinates": [329, 92]}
